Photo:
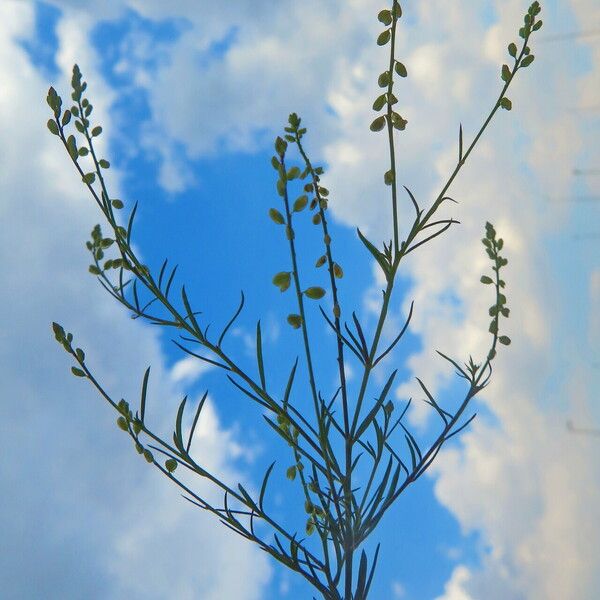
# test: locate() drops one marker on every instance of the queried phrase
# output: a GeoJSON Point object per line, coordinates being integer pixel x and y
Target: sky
{"type": "Point", "coordinates": [190, 96]}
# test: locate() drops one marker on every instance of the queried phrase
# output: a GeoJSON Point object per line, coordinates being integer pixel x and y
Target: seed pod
{"type": "Point", "coordinates": [276, 216]}
{"type": "Point", "coordinates": [314, 293]}
{"type": "Point", "coordinates": [295, 321]}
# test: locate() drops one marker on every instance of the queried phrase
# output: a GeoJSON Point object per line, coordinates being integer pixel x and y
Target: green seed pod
{"type": "Point", "coordinates": [316, 218]}
{"type": "Point", "coordinates": [300, 203]}
{"type": "Point", "coordinates": [291, 473]}
{"type": "Point", "coordinates": [52, 126]}
{"type": "Point", "coordinates": [385, 17]}
{"type": "Point", "coordinates": [378, 124]}
{"type": "Point", "coordinates": [336, 311]}
{"type": "Point", "coordinates": [122, 423]}
{"type": "Point", "coordinates": [282, 280]}
{"type": "Point", "coordinates": [170, 465]}
{"type": "Point", "coordinates": [337, 271]}
{"type": "Point", "coordinates": [384, 37]}
{"type": "Point", "coordinates": [310, 526]}
{"type": "Point", "coordinates": [295, 321]}
{"type": "Point", "coordinates": [320, 261]}
{"type": "Point", "coordinates": [276, 216]}
{"type": "Point", "coordinates": [314, 293]}
{"type": "Point", "coordinates": [280, 146]}
{"type": "Point", "coordinates": [384, 79]}
{"type": "Point", "coordinates": [137, 427]}
{"type": "Point", "coordinates": [400, 69]}
{"type": "Point", "coordinates": [379, 102]}
{"type": "Point", "coordinates": [148, 456]}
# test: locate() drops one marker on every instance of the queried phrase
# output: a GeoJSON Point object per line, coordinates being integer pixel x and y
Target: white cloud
{"type": "Point", "coordinates": [85, 517]}
{"type": "Point", "coordinates": [188, 370]}
{"type": "Point", "coordinates": [454, 589]}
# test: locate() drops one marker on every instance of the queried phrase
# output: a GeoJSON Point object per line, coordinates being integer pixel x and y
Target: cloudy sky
{"type": "Point", "coordinates": [191, 95]}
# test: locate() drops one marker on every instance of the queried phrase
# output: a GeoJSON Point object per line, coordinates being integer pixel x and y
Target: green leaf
{"type": "Point", "coordinates": [96, 131]}
{"type": "Point", "coordinates": [94, 270]}
{"type": "Point", "coordinates": [400, 69]}
{"type": "Point", "coordinates": [148, 456]}
{"type": "Point", "coordinates": [512, 49]}
{"type": "Point", "coordinates": [485, 279]}
{"type": "Point", "coordinates": [396, 9]}
{"type": "Point", "coordinates": [89, 178]}
{"type": "Point", "coordinates": [300, 203]}
{"type": "Point", "coordinates": [388, 177]}
{"type": "Point", "coordinates": [384, 37]}
{"type": "Point", "coordinates": [379, 257]}
{"type": "Point", "coordinates": [104, 163]}
{"type": "Point", "coordinates": [314, 293]}
{"type": "Point", "coordinates": [316, 218]}
{"type": "Point", "coordinates": [276, 216]}
{"type": "Point", "coordinates": [83, 151]}
{"type": "Point", "coordinates": [52, 126]}
{"type": "Point", "coordinates": [528, 60]}
{"type": "Point", "coordinates": [504, 339]}
{"type": "Point", "coordinates": [378, 124]}
{"type": "Point", "coordinates": [295, 321]}
{"type": "Point", "coordinates": [291, 473]}
{"type": "Point", "coordinates": [122, 423]}
{"type": "Point", "coordinates": [78, 372]}
{"type": "Point", "coordinates": [385, 17]}
{"type": "Point", "coordinates": [117, 203]}
{"type": "Point", "coordinates": [282, 280]}
{"type": "Point", "coordinates": [170, 465]}
{"type": "Point", "coordinates": [506, 104]}
{"type": "Point", "coordinates": [537, 26]}
{"type": "Point", "coordinates": [505, 72]}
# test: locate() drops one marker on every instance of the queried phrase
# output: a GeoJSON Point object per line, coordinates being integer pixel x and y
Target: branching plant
{"type": "Point", "coordinates": [332, 440]}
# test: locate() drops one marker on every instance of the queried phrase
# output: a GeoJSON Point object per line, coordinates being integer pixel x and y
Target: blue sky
{"type": "Point", "coordinates": [190, 96]}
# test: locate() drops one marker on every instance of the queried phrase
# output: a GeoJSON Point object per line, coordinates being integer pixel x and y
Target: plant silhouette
{"type": "Point", "coordinates": [325, 446]}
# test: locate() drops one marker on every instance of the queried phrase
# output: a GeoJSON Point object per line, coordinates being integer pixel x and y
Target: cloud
{"type": "Point", "coordinates": [85, 517]}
